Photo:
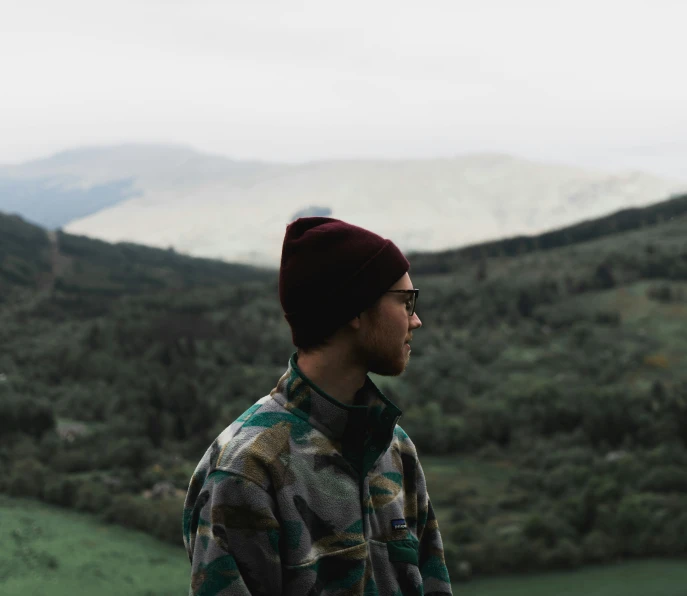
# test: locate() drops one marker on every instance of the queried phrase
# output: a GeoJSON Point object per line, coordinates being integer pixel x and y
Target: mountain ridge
{"type": "Point", "coordinates": [30, 256]}
{"type": "Point", "coordinates": [237, 211]}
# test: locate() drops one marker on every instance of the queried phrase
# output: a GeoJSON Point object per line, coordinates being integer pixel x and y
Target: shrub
{"type": "Point", "coordinates": [152, 475]}
{"type": "Point", "coordinates": [477, 556]}
{"type": "Point", "coordinates": [73, 460]}
{"type": "Point", "coordinates": [673, 539]}
{"type": "Point", "coordinates": [565, 555]}
{"type": "Point", "coordinates": [547, 529]}
{"type": "Point", "coordinates": [598, 547]}
{"type": "Point", "coordinates": [626, 470]}
{"type": "Point", "coordinates": [26, 479]}
{"type": "Point", "coordinates": [464, 531]}
{"type": "Point", "coordinates": [579, 511]}
{"type": "Point", "coordinates": [636, 520]}
{"type": "Point", "coordinates": [165, 517]}
{"type": "Point", "coordinates": [565, 479]}
{"type": "Point", "coordinates": [93, 497]}
{"type": "Point", "coordinates": [25, 414]}
{"type": "Point", "coordinates": [605, 490]}
{"type": "Point", "coordinates": [18, 445]}
{"type": "Point", "coordinates": [660, 293]}
{"type": "Point", "coordinates": [665, 479]}
{"type": "Point", "coordinates": [580, 456]}
{"type": "Point", "coordinates": [170, 467]}
{"type": "Point", "coordinates": [126, 511]}
{"type": "Point", "coordinates": [529, 480]}
{"type": "Point", "coordinates": [611, 318]}
{"type": "Point", "coordinates": [434, 432]}
{"type": "Point", "coordinates": [160, 518]}
{"type": "Point", "coordinates": [50, 445]}
{"type": "Point", "coordinates": [131, 453]}
{"type": "Point", "coordinates": [60, 490]}
{"type": "Point", "coordinates": [494, 422]}
{"type": "Point", "coordinates": [515, 553]}
{"type": "Point", "coordinates": [667, 453]}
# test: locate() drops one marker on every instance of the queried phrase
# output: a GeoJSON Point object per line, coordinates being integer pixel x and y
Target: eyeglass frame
{"type": "Point", "coordinates": [414, 292]}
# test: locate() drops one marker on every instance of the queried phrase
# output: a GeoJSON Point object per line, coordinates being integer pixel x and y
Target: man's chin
{"type": "Point", "coordinates": [390, 368]}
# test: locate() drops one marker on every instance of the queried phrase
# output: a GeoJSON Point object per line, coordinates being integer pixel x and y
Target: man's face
{"type": "Point", "coordinates": [383, 345]}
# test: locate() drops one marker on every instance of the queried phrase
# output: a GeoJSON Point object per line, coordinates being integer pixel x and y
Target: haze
{"type": "Point", "coordinates": [594, 83]}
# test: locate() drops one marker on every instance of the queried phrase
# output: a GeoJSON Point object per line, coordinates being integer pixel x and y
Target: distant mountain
{"type": "Point", "coordinates": [149, 165]}
{"type": "Point", "coordinates": [212, 206]}
{"type": "Point", "coordinates": [74, 184]}
{"type": "Point", "coordinates": [54, 203]}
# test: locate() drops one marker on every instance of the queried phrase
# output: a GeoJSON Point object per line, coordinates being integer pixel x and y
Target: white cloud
{"type": "Point", "coordinates": [300, 80]}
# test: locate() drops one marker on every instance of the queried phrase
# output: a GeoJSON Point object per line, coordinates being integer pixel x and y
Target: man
{"type": "Point", "coordinates": [315, 490]}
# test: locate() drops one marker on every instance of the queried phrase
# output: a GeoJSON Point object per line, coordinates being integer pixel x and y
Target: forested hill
{"type": "Point", "coordinates": [616, 223]}
{"type": "Point", "coordinates": [34, 259]}
{"type": "Point", "coordinates": [546, 392]}
{"type": "Point", "coordinates": [24, 254]}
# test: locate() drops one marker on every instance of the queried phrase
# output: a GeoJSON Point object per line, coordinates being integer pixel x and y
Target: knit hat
{"type": "Point", "coordinates": [330, 272]}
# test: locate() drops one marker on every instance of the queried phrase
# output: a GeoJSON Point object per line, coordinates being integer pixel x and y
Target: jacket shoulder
{"type": "Point", "coordinates": [253, 445]}
{"type": "Point", "coordinates": [403, 442]}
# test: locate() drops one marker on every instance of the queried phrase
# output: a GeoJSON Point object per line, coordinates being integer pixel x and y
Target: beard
{"type": "Point", "coordinates": [382, 355]}
{"type": "Point", "coordinates": [388, 366]}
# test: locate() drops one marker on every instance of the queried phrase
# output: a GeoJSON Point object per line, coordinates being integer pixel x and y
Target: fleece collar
{"type": "Point", "coordinates": [370, 425]}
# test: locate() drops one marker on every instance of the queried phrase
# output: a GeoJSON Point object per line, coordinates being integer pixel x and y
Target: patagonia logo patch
{"type": "Point", "coordinates": [398, 524]}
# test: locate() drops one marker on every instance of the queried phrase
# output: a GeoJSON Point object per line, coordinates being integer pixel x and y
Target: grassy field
{"type": "Point", "coordinates": [48, 551]}
{"type": "Point", "coordinates": [636, 578]}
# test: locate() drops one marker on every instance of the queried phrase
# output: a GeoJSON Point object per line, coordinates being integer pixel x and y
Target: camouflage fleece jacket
{"type": "Point", "coordinates": [303, 495]}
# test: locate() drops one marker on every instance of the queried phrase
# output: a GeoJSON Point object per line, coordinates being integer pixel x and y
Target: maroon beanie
{"type": "Point", "coordinates": [330, 272]}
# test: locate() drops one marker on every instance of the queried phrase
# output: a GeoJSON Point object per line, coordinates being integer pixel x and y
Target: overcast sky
{"type": "Point", "coordinates": [599, 82]}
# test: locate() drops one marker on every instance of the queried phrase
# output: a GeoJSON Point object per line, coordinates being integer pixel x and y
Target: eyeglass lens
{"type": "Point", "coordinates": [410, 305]}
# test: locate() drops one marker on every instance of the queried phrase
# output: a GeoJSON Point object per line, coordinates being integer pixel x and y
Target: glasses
{"type": "Point", "coordinates": [412, 299]}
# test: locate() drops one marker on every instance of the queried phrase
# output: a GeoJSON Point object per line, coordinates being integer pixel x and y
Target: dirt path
{"type": "Point", "coordinates": [59, 263]}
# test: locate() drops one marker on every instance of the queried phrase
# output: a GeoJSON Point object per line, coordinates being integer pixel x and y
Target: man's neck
{"type": "Point", "coordinates": [334, 374]}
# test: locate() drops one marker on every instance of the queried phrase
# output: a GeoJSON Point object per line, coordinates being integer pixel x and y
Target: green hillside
{"type": "Point", "coordinates": [31, 258]}
{"type": "Point", "coordinates": [547, 391]}
{"type": "Point", "coordinates": [626, 220]}
{"type": "Point", "coordinates": [45, 551]}
{"type": "Point", "coordinates": [24, 255]}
